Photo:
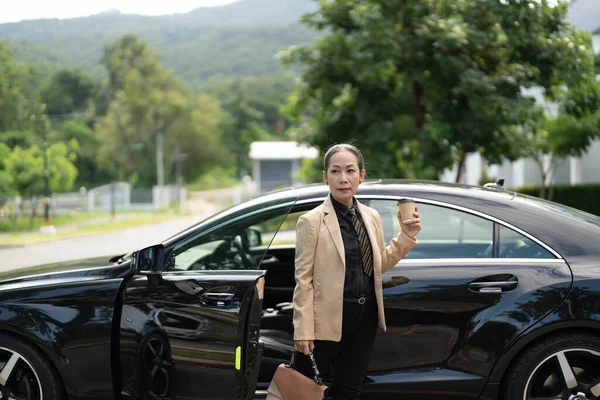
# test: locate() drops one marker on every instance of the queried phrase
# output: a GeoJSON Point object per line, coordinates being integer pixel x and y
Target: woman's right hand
{"type": "Point", "coordinates": [302, 346]}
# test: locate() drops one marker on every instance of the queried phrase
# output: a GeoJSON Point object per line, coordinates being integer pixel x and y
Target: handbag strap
{"type": "Point", "coordinates": [317, 375]}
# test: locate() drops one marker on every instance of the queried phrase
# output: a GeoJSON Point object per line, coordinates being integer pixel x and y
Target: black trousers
{"type": "Point", "coordinates": [349, 358]}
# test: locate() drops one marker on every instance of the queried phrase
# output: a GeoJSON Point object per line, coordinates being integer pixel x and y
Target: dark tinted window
{"type": "Point", "coordinates": [231, 245]}
{"type": "Point", "coordinates": [446, 233]}
{"type": "Point", "coordinates": [512, 244]}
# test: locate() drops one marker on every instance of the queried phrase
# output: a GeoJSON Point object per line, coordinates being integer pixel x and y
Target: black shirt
{"type": "Point", "coordinates": [357, 283]}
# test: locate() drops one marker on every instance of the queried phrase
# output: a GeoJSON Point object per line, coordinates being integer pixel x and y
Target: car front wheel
{"type": "Point", "coordinates": [563, 367]}
{"type": "Point", "coordinates": [25, 373]}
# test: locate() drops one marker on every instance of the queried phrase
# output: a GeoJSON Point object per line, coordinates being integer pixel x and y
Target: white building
{"type": "Point", "coordinates": [584, 14]}
{"type": "Point", "coordinates": [277, 164]}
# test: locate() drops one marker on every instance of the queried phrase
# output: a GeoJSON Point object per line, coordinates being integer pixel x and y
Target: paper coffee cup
{"type": "Point", "coordinates": [407, 209]}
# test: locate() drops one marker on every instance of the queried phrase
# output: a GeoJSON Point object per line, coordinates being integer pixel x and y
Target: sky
{"type": "Point", "coordinates": [19, 10]}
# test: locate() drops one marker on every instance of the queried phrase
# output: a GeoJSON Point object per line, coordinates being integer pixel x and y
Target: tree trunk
{"type": "Point", "coordinates": [550, 192]}
{"type": "Point", "coordinates": [540, 162]}
{"type": "Point", "coordinates": [460, 166]}
{"type": "Point", "coordinates": [544, 187]}
{"type": "Point", "coordinates": [160, 172]}
{"type": "Point", "coordinates": [550, 173]}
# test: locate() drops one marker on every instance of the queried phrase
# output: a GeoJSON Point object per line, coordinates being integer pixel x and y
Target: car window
{"type": "Point", "coordinates": [446, 233]}
{"type": "Point", "coordinates": [512, 244]}
{"type": "Point", "coordinates": [286, 236]}
{"type": "Point", "coordinates": [233, 245]}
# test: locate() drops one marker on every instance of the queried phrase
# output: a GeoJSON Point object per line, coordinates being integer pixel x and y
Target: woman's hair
{"type": "Point", "coordinates": [341, 147]}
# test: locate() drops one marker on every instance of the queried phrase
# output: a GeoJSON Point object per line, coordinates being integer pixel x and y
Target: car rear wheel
{"type": "Point", "coordinates": [25, 373]}
{"type": "Point", "coordinates": [564, 367]}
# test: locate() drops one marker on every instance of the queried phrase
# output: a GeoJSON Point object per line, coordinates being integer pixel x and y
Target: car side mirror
{"type": "Point", "coordinates": [253, 237]}
{"type": "Point", "coordinates": [148, 260]}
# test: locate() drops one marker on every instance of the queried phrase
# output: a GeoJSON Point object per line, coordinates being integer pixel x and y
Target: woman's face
{"type": "Point", "coordinates": [343, 176]}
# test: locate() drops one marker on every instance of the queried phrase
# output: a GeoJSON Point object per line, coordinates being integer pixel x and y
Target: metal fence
{"type": "Point", "coordinates": [113, 196]}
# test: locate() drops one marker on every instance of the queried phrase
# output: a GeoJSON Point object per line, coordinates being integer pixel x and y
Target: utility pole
{"type": "Point", "coordinates": [178, 158]}
{"type": "Point", "coordinates": [113, 210]}
{"type": "Point", "coordinates": [47, 227]}
{"type": "Point", "coordinates": [160, 173]}
{"type": "Point", "coordinates": [45, 119]}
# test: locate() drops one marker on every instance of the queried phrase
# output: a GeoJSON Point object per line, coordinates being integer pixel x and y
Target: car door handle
{"type": "Point", "coordinates": [489, 285]}
{"type": "Point", "coordinates": [218, 296]}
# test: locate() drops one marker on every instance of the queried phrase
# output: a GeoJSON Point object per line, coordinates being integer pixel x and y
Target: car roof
{"type": "Point", "coordinates": [393, 187]}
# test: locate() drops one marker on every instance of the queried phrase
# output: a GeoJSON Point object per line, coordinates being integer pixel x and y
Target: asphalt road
{"type": "Point", "coordinates": [93, 245]}
{"type": "Point", "coordinates": [106, 244]}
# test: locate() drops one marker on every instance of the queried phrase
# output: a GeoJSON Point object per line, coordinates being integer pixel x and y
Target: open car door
{"type": "Point", "coordinates": [191, 329]}
{"type": "Point", "coordinates": [190, 335]}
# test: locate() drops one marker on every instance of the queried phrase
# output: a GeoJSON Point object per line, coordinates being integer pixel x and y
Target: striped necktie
{"type": "Point", "coordinates": [365, 244]}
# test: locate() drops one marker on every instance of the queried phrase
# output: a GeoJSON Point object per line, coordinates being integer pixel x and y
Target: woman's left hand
{"type": "Point", "coordinates": [410, 227]}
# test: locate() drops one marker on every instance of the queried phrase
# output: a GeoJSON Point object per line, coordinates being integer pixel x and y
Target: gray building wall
{"type": "Point", "coordinates": [275, 174]}
{"type": "Point", "coordinates": [590, 164]}
{"type": "Point", "coordinates": [531, 172]}
{"type": "Point", "coordinates": [584, 14]}
{"type": "Point", "coordinates": [562, 173]}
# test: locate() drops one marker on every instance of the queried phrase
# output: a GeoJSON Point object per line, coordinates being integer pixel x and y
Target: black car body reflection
{"type": "Point", "coordinates": [500, 300]}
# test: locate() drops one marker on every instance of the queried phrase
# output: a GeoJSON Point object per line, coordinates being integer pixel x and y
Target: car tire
{"type": "Point", "coordinates": [31, 374]}
{"type": "Point", "coordinates": [553, 367]}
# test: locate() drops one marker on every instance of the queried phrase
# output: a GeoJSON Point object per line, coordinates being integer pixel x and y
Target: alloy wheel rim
{"type": "Point", "coordinates": [157, 364]}
{"type": "Point", "coordinates": [572, 374]}
{"type": "Point", "coordinates": [18, 379]}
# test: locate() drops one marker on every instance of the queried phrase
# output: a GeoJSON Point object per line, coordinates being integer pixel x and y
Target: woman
{"type": "Point", "coordinates": [340, 256]}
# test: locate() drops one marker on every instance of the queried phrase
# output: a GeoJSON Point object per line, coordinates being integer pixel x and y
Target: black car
{"type": "Point", "coordinates": [500, 300]}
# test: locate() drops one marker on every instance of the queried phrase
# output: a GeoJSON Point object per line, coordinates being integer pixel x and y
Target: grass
{"type": "Point", "coordinates": [24, 224]}
{"type": "Point", "coordinates": [86, 223]}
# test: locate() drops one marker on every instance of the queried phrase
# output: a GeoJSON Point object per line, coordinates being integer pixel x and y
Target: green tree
{"type": "Point", "coordinates": [126, 55]}
{"type": "Point", "coordinates": [420, 84]}
{"type": "Point", "coordinates": [311, 171]}
{"type": "Point", "coordinates": [193, 145]}
{"type": "Point", "coordinates": [18, 93]}
{"type": "Point", "coordinates": [26, 167]}
{"type": "Point", "coordinates": [21, 139]}
{"type": "Point", "coordinates": [553, 139]}
{"type": "Point", "coordinates": [242, 125]}
{"type": "Point", "coordinates": [266, 94]}
{"type": "Point", "coordinates": [69, 91]}
{"type": "Point", "coordinates": [152, 118]}
{"type": "Point", "coordinates": [146, 101]}
{"type": "Point", "coordinates": [550, 139]}
{"type": "Point", "coordinates": [6, 181]}
{"type": "Point", "coordinates": [86, 163]}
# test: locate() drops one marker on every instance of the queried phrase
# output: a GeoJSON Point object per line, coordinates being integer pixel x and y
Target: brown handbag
{"type": "Point", "coordinates": [289, 384]}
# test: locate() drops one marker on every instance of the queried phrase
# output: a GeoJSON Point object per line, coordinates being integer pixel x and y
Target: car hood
{"type": "Point", "coordinates": [64, 272]}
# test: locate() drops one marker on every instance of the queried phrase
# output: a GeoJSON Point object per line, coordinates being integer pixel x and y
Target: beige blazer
{"type": "Point", "coordinates": [321, 270]}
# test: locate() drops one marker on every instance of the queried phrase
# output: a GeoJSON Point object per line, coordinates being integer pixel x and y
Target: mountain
{"type": "Point", "coordinates": [241, 38]}
{"type": "Point", "coordinates": [253, 12]}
